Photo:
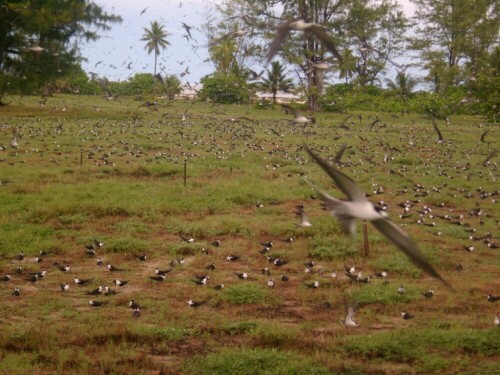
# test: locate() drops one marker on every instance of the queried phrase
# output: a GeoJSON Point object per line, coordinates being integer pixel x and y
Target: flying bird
{"type": "Point", "coordinates": [283, 29]}
{"type": "Point", "coordinates": [299, 118]}
{"type": "Point", "coordinates": [359, 207]}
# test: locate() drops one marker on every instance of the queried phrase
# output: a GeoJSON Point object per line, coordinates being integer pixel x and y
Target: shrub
{"type": "Point", "coordinates": [222, 88]}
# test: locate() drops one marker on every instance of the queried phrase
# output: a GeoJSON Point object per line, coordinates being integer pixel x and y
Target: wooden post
{"type": "Point", "coordinates": [365, 237]}
{"type": "Point", "coordinates": [185, 171]}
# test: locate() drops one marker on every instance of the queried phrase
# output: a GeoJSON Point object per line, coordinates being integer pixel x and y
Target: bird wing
{"type": "Point", "coordinates": [406, 244]}
{"type": "Point", "coordinates": [343, 182]}
{"type": "Point", "coordinates": [440, 136]}
{"type": "Point", "coordinates": [340, 153]}
{"type": "Point", "coordinates": [326, 39]}
{"type": "Point", "coordinates": [281, 33]}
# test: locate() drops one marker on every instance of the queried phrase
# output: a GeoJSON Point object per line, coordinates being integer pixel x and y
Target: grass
{"type": "Point", "coordinates": [243, 185]}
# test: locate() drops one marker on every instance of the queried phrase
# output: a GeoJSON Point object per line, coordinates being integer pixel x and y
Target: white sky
{"type": "Point", "coordinates": [121, 45]}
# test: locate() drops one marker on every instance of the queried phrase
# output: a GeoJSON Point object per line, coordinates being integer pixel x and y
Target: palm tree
{"type": "Point", "coordinates": [402, 86]}
{"type": "Point", "coordinates": [276, 80]}
{"type": "Point", "coordinates": [155, 38]}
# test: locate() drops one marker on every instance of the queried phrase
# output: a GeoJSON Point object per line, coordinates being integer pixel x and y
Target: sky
{"type": "Point", "coordinates": [120, 53]}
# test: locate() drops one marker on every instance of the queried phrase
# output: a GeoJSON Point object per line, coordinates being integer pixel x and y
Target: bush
{"type": "Point", "coordinates": [224, 88]}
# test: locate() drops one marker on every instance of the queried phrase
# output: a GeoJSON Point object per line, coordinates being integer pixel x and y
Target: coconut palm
{"type": "Point", "coordinates": [402, 86]}
{"type": "Point", "coordinates": [276, 80]}
{"type": "Point", "coordinates": [155, 39]}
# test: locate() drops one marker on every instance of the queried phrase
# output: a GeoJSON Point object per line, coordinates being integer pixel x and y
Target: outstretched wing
{"type": "Point", "coordinates": [406, 244]}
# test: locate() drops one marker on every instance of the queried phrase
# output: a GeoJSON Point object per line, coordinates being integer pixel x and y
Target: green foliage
{"type": "Point", "coordinates": [155, 38]}
{"type": "Point", "coordinates": [276, 80]}
{"type": "Point", "coordinates": [172, 85]}
{"type": "Point", "coordinates": [222, 88]}
{"type": "Point", "coordinates": [382, 293]}
{"type": "Point", "coordinates": [39, 45]}
{"type": "Point", "coordinates": [138, 84]}
{"type": "Point", "coordinates": [254, 361]}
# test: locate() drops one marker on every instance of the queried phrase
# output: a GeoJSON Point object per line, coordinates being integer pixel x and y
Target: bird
{"type": "Point", "coordinates": [82, 281]}
{"type": "Point", "coordinates": [232, 35]}
{"type": "Point", "coordinates": [163, 272]}
{"type": "Point", "coordinates": [256, 76]}
{"type": "Point", "coordinates": [492, 298]}
{"type": "Point", "coordinates": [298, 117]}
{"type": "Point", "coordinates": [95, 292]}
{"type": "Point", "coordinates": [16, 292]}
{"type": "Point", "coordinates": [350, 312]}
{"type": "Point", "coordinates": [143, 11]}
{"type": "Point", "coordinates": [133, 304]}
{"type": "Point", "coordinates": [406, 315]}
{"type": "Point", "coordinates": [210, 267]}
{"type": "Point", "coordinates": [360, 207]}
{"type": "Point", "coordinates": [188, 29]}
{"type": "Point", "coordinates": [270, 283]}
{"type": "Point", "coordinates": [64, 287]}
{"type": "Point", "coordinates": [283, 29]}
{"type": "Point", "coordinates": [278, 262]}
{"type": "Point", "coordinates": [496, 321]}
{"type": "Point", "coordinates": [141, 257]}
{"type": "Point", "coordinates": [304, 221]}
{"type": "Point", "coordinates": [120, 283]}
{"type": "Point", "coordinates": [19, 270]}
{"type": "Point", "coordinates": [241, 275]}
{"type": "Point", "coordinates": [440, 136]}
{"type": "Point", "coordinates": [20, 256]}
{"type": "Point", "coordinates": [268, 244]}
{"type": "Point", "coordinates": [99, 262]}
{"type": "Point", "coordinates": [192, 303]}
{"type": "Point", "coordinates": [284, 278]}
{"type": "Point", "coordinates": [232, 258]}
{"type": "Point", "coordinates": [401, 290]}
{"type": "Point", "coordinates": [158, 278]}
{"type": "Point", "coordinates": [201, 280]}
{"type": "Point", "coordinates": [112, 268]}
{"type": "Point", "coordinates": [381, 274]}
{"type": "Point", "coordinates": [187, 239]}
{"type": "Point", "coordinates": [95, 303]}
{"type": "Point", "coordinates": [429, 293]}
{"type": "Point", "coordinates": [219, 287]}
{"type": "Point", "coordinates": [136, 313]}
{"type": "Point", "coordinates": [62, 268]}
{"type": "Point", "coordinates": [216, 243]}
{"type": "Point", "coordinates": [313, 285]}
{"type": "Point", "coordinates": [5, 278]}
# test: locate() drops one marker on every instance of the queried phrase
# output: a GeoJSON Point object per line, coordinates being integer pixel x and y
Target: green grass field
{"type": "Point", "coordinates": [86, 168]}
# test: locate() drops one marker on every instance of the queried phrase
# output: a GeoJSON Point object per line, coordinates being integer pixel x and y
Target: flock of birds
{"type": "Point", "coordinates": [224, 136]}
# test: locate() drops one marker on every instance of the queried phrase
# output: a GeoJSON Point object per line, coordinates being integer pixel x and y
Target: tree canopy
{"type": "Point", "coordinates": [39, 38]}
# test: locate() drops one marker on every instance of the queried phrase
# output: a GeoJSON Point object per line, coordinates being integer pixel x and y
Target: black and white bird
{"type": "Point", "coordinates": [16, 292]}
{"type": "Point", "coordinates": [429, 293]}
{"type": "Point", "coordinates": [268, 244]}
{"type": "Point", "coordinates": [112, 268]}
{"type": "Point", "coordinates": [187, 239]}
{"type": "Point", "coordinates": [163, 272]}
{"type": "Point", "coordinates": [219, 286]}
{"type": "Point", "coordinates": [136, 313]}
{"type": "Point", "coordinates": [99, 262]}
{"type": "Point", "coordinates": [382, 274]}
{"type": "Point", "coordinates": [158, 277]}
{"type": "Point", "coordinates": [359, 207]}
{"type": "Point", "coordinates": [5, 278]}
{"type": "Point", "coordinates": [210, 267]}
{"type": "Point", "coordinates": [62, 268]}
{"type": "Point", "coordinates": [284, 278]}
{"type": "Point", "coordinates": [141, 257]}
{"type": "Point", "coordinates": [216, 243]}
{"type": "Point", "coordinates": [64, 287]}
{"type": "Point", "coordinates": [192, 303]}
{"type": "Point", "coordinates": [492, 298]}
{"type": "Point", "coordinates": [95, 292]}
{"type": "Point", "coordinates": [97, 242]}
{"type": "Point", "coordinates": [313, 285]}
{"type": "Point", "coordinates": [241, 275]}
{"type": "Point", "coordinates": [406, 315]}
{"type": "Point", "coordinates": [133, 304]}
{"type": "Point", "coordinates": [120, 283]}
{"type": "Point", "coordinates": [304, 221]}
{"type": "Point", "coordinates": [82, 281]}
{"type": "Point", "coordinates": [20, 256]}
{"type": "Point", "coordinates": [95, 303]}
{"type": "Point", "coordinates": [401, 290]}
{"type": "Point", "coordinates": [90, 249]}
{"type": "Point", "coordinates": [19, 270]}
{"type": "Point", "coordinates": [271, 283]}
{"type": "Point", "coordinates": [232, 258]}
{"type": "Point", "coordinates": [201, 279]}
{"type": "Point", "coordinates": [278, 262]}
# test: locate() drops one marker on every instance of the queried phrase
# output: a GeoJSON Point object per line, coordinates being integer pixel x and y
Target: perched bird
{"type": "Point", "coordinates": [96, 291]}
{"type": "Point", "coordinates": [492, 298]}
{"type": "Point", "coordinates": [120, 282]}
{"type": "Point", "coordinates": [20, 256]}
{"type": "Point", "coordinates": [163, 272]}
{"type": "Point", "coordinates": [141, 257]}
{"type": "Point", "coordinates": [406, 315]}
{"type": "Point", "coordinates": [112, 268]}
{"type": "Point", "coordinates": [241, 275]}
{"type": "Point", "coordinates": [192, 303]}
{"type": "Point", "coordinates": [82, 281]}
{"type": "Point", "coordinates": [99, 262]}
{"type": "Point", "coordinates": [210, 267]}
{"type": "Point", "coordinates": [232, 258]}
{"type": "Point", "coordinates": [19, 270]}
{"type": "Point", "coordinates": [158, 278]}
{"type": "Point", "coordinates": [219, 286]}
{"type": "Point", "coordinates": [284, 278]}
{"type": "Point", "coordinates": [312, 285]}
{"type": "Point", "coordinates": [5, 278]}
{"type": "Point", "coordinates": [429, 293]}
{"type": "Point", "coordinates": [359, 207]}
{"type": "Point", "coordinates": [382, 274]}
{"type": "Point", "coordinates": [16, 292]}
{"type": "Point", "coordinates": [95, 303]}
{"type": "Point", "coordinates": [350, 312]}
{"type": "Point", "coordinates": [278, 262]}
{"type": "Point", "coordinates": [136, 313]}
{"type": "Point", "coordinates": [217, 243]}
{"type": "Point", "coordinates": [270, 283]}
{"type": "Point", "coordinates": [201, 280]}
{"type": "Point", "coordinates": [133, 304]}
{"type": "Point", "coordinates": [401, 290]}
{"type": "Point", "coordinates": [64, 287]}
{"type": "Point", "coordinates": [61, 267]}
